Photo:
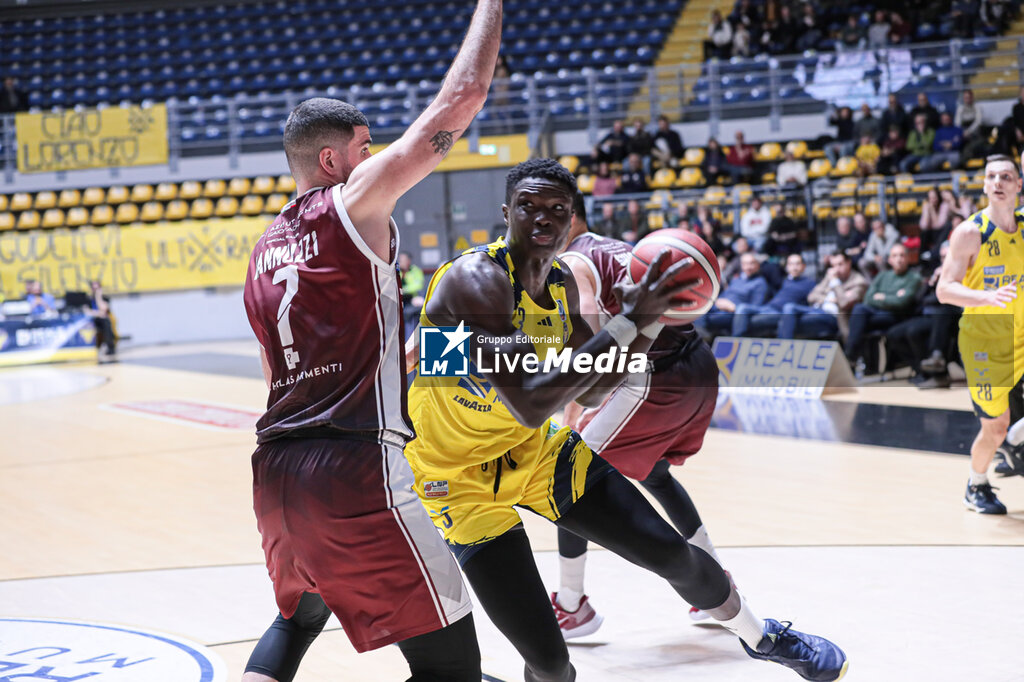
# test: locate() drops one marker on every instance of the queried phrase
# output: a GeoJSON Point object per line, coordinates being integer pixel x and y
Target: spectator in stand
{"type": "Point", "coordinates": [961, 18]}
{"type": "Point", "coordinates": [963, 207]}
{"type": "Point", "coordinates": [925, 338]}
{"type": "Point", "coordinates": [843, 143]}
{"type": "Point", "coordinates": [895, 115]}
{"type": "Point", "coordinates": [852, 241]}
{"type": "Point", "coordinates": [936, 221]}
{"type": "Point", "coordinates": [12, 98]}
{"type": "Point", "coordinates": [613, 222]}
{"type": "Point", "coordinates": [704, 217]}
{"type": "Point", "coordinates": [604, 183]}
{"type": "Point", "coordinates": [810, 29]}
{"type": "Point", "coordinates": [994, 16]}
{"type": "Point", "coordinates": [719, 42]}
{"type": "Point", "coordinates": [614, 146]}
{"type": "Point", "coordinates": [734, 259]}
{"type": "Point", "coordinates": [741, 41]}
{"type": "Point", "coordinates": [851, 35]}
{"type": "Point", "coordinates": [971, 119]}
{"type": "Point", "coordinates": [925, 107]}
{"type": "Point", "coordinates": [41, 304]}
{"type": "Point", "coordinates": [412, 281]}
{"type": "Point", "coordinates": [889, 300]}
{"type": "Point", "coordinates": [709, 232]}
{"type": "Point", "coordinates": [783, 234]}
{"type": "Point", "coordinates": [748, 287]}
{"type": "Point", "coordinates": [667, 145]}
{"type": "Point", "coordinates": [867, 124]}
{"type": "Point", "coordinates": [754, 224]}
{"type": "Point", "coordinates": [680, 218]}
{"type": "Point", "coordinates": [746, 14]}
{"type": "Point", "coordinates": [900, 30]}
{"type": "Point", "coordinates": [786, 32]}
{"type": "Point", "coordinates": [878, 31]}
{"type": "Point", "coordinates": [714, 162]}
{"type": "Point", "coordinates": [740, 160]}
{"type": "Point", "coordinates": [830, 303]}
{"type": "Point", "coordinates": [894, 147]}
{"type": "Point", "coordinates": [879, 245]}
{"type": "Point", "coordinates": [919, 143]}
{"type": "Point", "coordinates": [867, 155]}
{"type": "Point", "coordinates": [634, 181]}
{"type": "Point", "coordinates": [751, 319]}
{"type": "Point", "coordinates": [791, 172]}
{"type": "Point", "coordinates": [102, 319]}
{"type": "Point", "coordinates": [1011, 133]}
{"type": "Point", "coordinates": [640, 142]}
{"type": "Point", "coordinates": [946, 147]}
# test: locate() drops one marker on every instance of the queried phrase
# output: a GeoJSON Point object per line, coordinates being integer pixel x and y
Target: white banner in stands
{"type": "Point", "coordinates": [784, 367]}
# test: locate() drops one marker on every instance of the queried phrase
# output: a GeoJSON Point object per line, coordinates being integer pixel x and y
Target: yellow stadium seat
{"type": "Point", "coordinates": [848, 207]}
{"type": "Point", "coordinates": [264, 185]}
{"type": "Point", "coordinates": [846, 187]}
{"type": "Point", "coordinates": [201, 208]}
{"type": "Point", "coordinates": [768, 178]}
{"type": "Point", "coordinates": [663, 178]}
{"type": "Point", "coordinates": [570, 162]}
{"type": "Point", "coordinates": [846, 166]}
{"type": "Point", "coordinates": [77, 216]}
{"type": "Point", "coordinates": [141, 194]}
{"type": "Point", "coordinates": [252, 205]}
{"type": "Point", "coordinates": [275, 202]}
{"type": "Point", "coordinates": [53, 217]}
{"type": "Point", "coordinates": [908, 207]}
{"type": "Point", "coordinates": [656, 220]}
{"type": "Point", "coordinates": [769, 151]}
{"type": "Point", "coordinates": [21, 201]}
{"type": "Point", "coordinates": [3, 202]}
{"type": "Point", "coordinates": [190, 189]}
{"type": "Point", "coordinates": [798, 212]}
{"type": "Point", "coordinates": [45, 200]}
{"type": "Point", "coordinates": [166, 191]}
{"type": "Point", "coordinates": [101, 215]}
{"type": "Point", "coordinates": [227, 207]}
{"type": "Point", "coordinates": [239, 187]}
{"type": "Point", "coordinates": [798, 148]}
{"type": "Point", "coordinates": [127, 213]}
{"type": "Point", "coordinates": [822, 210]}
{"type": "Point", "coordinates": [819, 168]}
{"type": "Point", "coordinates": [151, 212]}
{"type": "Point", "coordinates": [93, 196]}
{"type": "Point", "coordinates": [694, 156]}
{"type": "Point", "coordinates": [659, 199]}
{"type": "Point", "coordinates": [714, 195]}
{"type": "Point", "coordinates": [28, 220]}
{"type": "Point", "coordinates": [6, 221]}
{"type": "Point", "coordinates": [214, 188]}
{"type": "Point", "coordinates": [176, 210]}
{"type": "Point", "coordinates": [904, 181]}
{"type": "Point", "coordinates": [285, 184]}
{"type": "Point", "coordinates": [873, 209]}
{"type": "Point", "coordinates": [118, 194]}
{"type": "Point", "coordinates": [743, 192]}
{"type": "Point", "coordinates": [69, 198]}
{"type": "Point", "coordinates": [585, 183]}
{"type": "Point", "coordinates": [690, 177]}
{"type": "Point", "coordinates": [975, 163]}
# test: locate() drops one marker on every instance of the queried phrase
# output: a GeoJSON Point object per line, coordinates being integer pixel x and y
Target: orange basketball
{"type": "Point", "coordinates": [681, 244]}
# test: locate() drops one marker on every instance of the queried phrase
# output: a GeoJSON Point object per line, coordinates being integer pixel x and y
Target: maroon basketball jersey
{"type": "Point", "coordinates": [608, 260]}
{"type": "Point", "coordinates": [327, 311]}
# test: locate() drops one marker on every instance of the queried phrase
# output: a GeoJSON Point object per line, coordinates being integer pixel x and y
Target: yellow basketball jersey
{"type": "Point", "coordinates": [461, 421]}
{"type": "Point", "coordinates": [999, 262]}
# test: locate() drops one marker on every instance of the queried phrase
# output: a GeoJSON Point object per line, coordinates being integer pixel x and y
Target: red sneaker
{"type": "Point", "coordinates": [579, 623]}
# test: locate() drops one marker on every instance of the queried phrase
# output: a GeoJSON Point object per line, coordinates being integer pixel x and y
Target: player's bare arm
{"type": "Point", "coordinates": [964, 245]}
{"type": "Point", "coordinates": [376, 184]}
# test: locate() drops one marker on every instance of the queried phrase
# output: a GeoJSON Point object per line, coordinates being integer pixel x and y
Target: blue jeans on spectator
{"type": "Point", "coordinates": [755, 320]}
{"type": "Point", "coordinates": [863, 319]}
{"type": "Point", "coordinates": [934, 162]}
{"type": "Point", "coordinates": [839, 148]}
{"type": "Point", "coordinates": [907, 164]}
{"type": "Point", "coordinates": [715, 323]}
{"type": "Point", "coordinates": [808, 321]}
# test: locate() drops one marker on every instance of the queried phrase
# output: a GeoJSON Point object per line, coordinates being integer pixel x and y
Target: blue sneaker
{"type": "Point", "coordinates": [1001, 460]}
{"type": "Point", "coordinates": [811, 657]}
{"type": "Point", "coordinates": [981, 499]}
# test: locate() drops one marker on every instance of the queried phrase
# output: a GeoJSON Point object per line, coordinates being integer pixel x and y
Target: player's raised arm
{"type": "Point", "coordinates": [376, 184]}
{"type": "Point", "coordinates": [964, 245]}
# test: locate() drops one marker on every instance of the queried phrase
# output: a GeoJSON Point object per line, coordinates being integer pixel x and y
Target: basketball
{"type": "Point", "coordinates": [681, 244]}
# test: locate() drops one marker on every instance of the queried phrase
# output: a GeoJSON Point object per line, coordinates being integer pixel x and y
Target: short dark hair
{"type": "Point", "coordinates": [1000, 158]}
{"type": "Point", "coordinates": [579, 207]}
{"type": "Point", "coordinates": [845, 256]}
{"type": "Point", "coordinates": [313, 124]}
{"type": "Point", "coordinates": [546, 169]}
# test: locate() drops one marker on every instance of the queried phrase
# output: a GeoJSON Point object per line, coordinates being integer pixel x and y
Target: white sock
{"type": "Point", "coordinates": [745, 625]}
{"type": "Point", "coordinates": [571, 591]}
{"type": "Point", "coordinates": [702, 540]}
{"type": "Point", "coordinates": [978, 479]}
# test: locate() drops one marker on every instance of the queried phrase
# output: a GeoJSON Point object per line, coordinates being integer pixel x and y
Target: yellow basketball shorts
{"type": "Point", "coordinates": [992, 373]}
{"type": "Point", "coordinates": [546, 474]}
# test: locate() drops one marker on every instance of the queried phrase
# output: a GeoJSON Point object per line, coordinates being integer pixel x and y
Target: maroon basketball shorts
{"type": "Point", "coordinates": [340, 518]}
{"type": "Point", "coordinates": [659, 415]}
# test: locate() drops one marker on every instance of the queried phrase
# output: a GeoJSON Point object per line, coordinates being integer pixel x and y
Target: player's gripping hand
{"type": "Point", "coordinates": [1001, 296]}
{"type": "Point", "coordinates": [645, 301]}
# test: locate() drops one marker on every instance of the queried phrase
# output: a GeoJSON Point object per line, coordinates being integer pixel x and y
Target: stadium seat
{"type": "Point", "coordinates": [166, 191]}
{"type": "Point", "coordinates": [655, 220]}
{"type": "Point", "coordinates": [264, 185]}
{"type": "Point", "coordinates": [45, 200]}
{"type": "Point", "coordinates": [769, 151]}
{"type": "Point", "coordinates": [822, 210]}
{"type": "Point", "coordinates": [151, 212]}
{"type": "Point", "coordinates": [118, 194]}
{"type": "Point", "coordinates": [190, 189]}
{"type": "Point", "coordinates": [713, 195]}
{"type": "Point", "coordinates": [570, 162]}
{"type": "Point", "coordinates": [77, 216]}
{"type": "Point", "coordinates": [6, 221]}
{"type": "Point", "coordinates": [53, 217]}
{"type": "Point", "coordinates": [3, 202]}
{"type": "Point", "coordinates": [227, 207]}
{"type": "Point", "coordinates": [585, 183]}
{"type": "Point", "coordinates": [285, 184]}
{"type": "Point", "coordinates": [903, 182]}
{"type": "Point", "coordinates": [252, 205]}
{"type": "Point", "coordinates": [21, 201]}
{"type": "Point", "coordinates": [798, 148]}
{"type": "Point", "coordinates": [176, 210]}
{"type": "Point", "coordinates": [845, 166]}
{"type": "Point", "coordinates": [275, 202]}
{"type": "Point", "coordinates": [846, 187]}
{"type": "Point", "coordinates": [126, 213]}
{"type": "Point", "coordinates": [660, 199]}
{"type": "Point", "coordinates": [694, 156]}
{"type": "Point", "coordinates": [69, 198]}
{"type": "Point", "coordinates": [690, 177]}
{"type": "Point", "coordinates": [200, 209]}
{"type": "Point", "coordinates": [819, 168]}
{"type": "Point", "coordinates": [873, 209]}
{"type": "Point", "coordinates": [101, 215]}
{"type": "Point", "coordinates": [847, 208]}
{"type": "Point", "coordinates": [28, 220]}
{"type": "Point", "coordinates": [743, 192]}
{"type": "Point", "coordinates": [93, 196]}
{"type": "Point", "coordinates": [239, 187]}
{"type": "Point", "coordinates": [663, 178]}
{"type": "Point", "coordinates": [141, 193]}
{"type": "Point", "coordinates": [908, 206]}
{"type": "Point", "coordinates": [214, 188]}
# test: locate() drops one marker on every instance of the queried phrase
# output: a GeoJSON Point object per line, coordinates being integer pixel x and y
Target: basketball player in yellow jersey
{"type": "Point", "coordinates": [982, 273]}
{"type": "Point", "coordinates": [485, 443]}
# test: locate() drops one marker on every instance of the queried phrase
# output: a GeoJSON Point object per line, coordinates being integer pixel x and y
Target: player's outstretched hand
{"type": "Point", "coordinates": [1003, 295]}
{"type": "Point", "coordinates": [649, 298]}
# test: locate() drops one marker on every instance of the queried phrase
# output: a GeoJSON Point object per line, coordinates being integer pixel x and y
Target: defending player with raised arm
{"type": "Point", "coordinates": [342, 530]}
{"type": "Point", "coordinates": [982, 273]}
{"type": "Point", "coordinates": [485, 443]}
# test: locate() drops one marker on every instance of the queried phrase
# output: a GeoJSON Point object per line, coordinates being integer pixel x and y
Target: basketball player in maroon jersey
{"type": "Point", "coordinates": [651, 421]}
{"type": "Point", "coordinates": [342, 530]}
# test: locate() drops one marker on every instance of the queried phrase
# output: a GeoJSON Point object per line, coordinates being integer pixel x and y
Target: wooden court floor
{"type": "Point", "coordinates": [125, 500]}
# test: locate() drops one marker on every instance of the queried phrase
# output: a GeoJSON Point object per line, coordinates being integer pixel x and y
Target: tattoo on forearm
{"type": "Point", "coordinates": [443, 141]}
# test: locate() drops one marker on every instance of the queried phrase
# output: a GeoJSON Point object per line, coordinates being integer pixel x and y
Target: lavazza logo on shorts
{"type": "Point", "coordinates": [444, 352]}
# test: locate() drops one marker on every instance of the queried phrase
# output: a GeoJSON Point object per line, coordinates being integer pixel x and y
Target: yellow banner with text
{"type": "Point", "coordinates": [160, 257]}
{"type": "Point", "coordinates": [495, 151]}
{"type": "Point", "coordinates": [91, 138]}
